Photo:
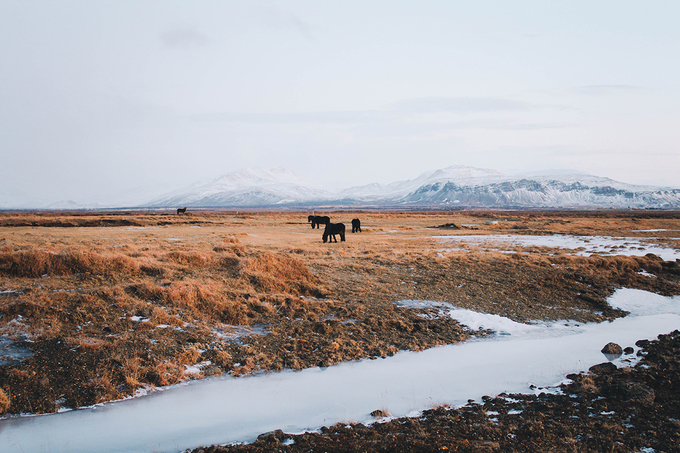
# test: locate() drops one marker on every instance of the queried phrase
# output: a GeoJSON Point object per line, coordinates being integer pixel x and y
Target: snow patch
{"type": "Point", "coordinates": [577, 245]}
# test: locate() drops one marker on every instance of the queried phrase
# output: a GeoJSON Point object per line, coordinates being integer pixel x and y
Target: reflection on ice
{"type": "Point", "coordinates": [238, 409]}
{"type": "Point", "coordinates": [579, 245]}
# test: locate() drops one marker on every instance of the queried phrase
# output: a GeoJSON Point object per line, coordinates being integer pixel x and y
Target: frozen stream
{"type": "Point", "coordinates": [580, 245]}
{"type": "Point", "coordinates": [225, 410]}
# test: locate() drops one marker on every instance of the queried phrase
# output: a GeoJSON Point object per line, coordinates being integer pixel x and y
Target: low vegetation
{"type": "Point", "coordinates": [111, 303]}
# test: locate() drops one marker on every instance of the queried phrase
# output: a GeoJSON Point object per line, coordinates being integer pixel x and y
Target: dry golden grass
{"type": "Point", "coordinates": [5, 401]}
{"type": "Point", "coordinates": [37, 263]}
{"type": "Point", "coordinates": [129, 299]}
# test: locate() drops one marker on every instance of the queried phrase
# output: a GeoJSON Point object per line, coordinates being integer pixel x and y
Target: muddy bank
{"type": "Point", "coordinates": [606, 409]}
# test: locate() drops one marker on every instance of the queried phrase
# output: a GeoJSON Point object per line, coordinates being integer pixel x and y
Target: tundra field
{"type": "Point", "coordinates": [96, 306]}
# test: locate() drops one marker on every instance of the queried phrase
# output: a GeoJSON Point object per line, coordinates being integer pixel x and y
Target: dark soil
{"type": "Point", "coordinates": [604, 410]}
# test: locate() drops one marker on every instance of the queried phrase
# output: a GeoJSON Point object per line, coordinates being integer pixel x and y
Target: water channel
{"type": "Point", "coordinates": [228, 410]}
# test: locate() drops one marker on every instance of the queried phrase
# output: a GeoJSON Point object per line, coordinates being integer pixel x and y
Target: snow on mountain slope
{"type": "Point", "coordinates": [460, 174]}
{"type": "Point", "coordinates": [455, 186]}
{"type": "Point", "coordinates": [545, 191]}
{"type": "Point", "coordinates": [247, 187]}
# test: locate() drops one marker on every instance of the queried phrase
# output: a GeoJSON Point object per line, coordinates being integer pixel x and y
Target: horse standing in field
{"type": "Point", "coordinates": [331, 230]}
{"type": "Point", "coordinates": [318, 220]}
{"type": "Point", "coordinates": [182, 210]}
{"type": "Point", "coordinates": [356, 226]}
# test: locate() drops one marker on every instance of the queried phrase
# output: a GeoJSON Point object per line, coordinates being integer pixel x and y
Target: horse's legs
{"type": "Point", "coordinates": [342, 237]}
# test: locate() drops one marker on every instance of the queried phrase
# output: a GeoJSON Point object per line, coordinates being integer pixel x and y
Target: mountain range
{"type": "Point", "coordinates": [448, 188]}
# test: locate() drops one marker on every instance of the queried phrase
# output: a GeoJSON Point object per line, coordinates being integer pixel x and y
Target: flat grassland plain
{"type": "Point", "coordinates": [96, 306]}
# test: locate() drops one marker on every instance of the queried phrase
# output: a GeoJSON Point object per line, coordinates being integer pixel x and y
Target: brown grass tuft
{"type": "Point", "coordinates": [35, 263]}
{"type": "Point", "coordinates": [204, 301]}
{"type": "Point", "coordinates": [193, 259]}
{"type": "Point", "coordinates": [271, 272]}
{"type": "Point", "coordinates": [5, 401]}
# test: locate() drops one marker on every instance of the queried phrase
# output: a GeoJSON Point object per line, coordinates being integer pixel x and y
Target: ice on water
{"type": "Point", "coordinates": [226, 409]}
{"type": "Point", "coordinates": [578, 245]}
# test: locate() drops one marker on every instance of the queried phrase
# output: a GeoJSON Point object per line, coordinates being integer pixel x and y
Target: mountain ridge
{"type": "Point", "coordinates": [451, 187]}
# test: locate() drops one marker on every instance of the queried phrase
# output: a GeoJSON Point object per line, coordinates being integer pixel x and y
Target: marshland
{"type": "Point", "coordinates": [101, 306]}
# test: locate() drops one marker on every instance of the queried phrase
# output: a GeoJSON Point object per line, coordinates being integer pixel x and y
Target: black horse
{"type": "Point", "coordinates": [331, 230]}
{"type": "Point", "coordinates": [356, 226]}
{"type": "Point", "coordinates": [318, 220]}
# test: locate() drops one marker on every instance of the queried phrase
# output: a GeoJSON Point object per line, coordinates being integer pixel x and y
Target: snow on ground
{"type": "Point", "coordinates": [226, 332]}
{"type": "Point", "coordinates": [579, 245]}
{"type": "Point", "coordinates": [228, 409]}
{"type": "Point", "coordinates": [504, 328]}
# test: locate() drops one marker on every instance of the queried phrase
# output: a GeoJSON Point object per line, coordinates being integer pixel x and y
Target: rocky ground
{"type": "Point", "coordinates": [632, 409]}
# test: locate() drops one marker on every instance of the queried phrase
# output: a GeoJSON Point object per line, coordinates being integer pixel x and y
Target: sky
{"type": "Point", "coordinates": [120, 100]}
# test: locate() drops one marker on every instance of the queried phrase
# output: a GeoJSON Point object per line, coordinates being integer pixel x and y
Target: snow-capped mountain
{"type": "Point", "coordinates": [399, 189]}
{"type": "Point", "coordinates": [554, 189]}
{"type": "Point", "coordinates": [250, 187]}
{"type": "Point", "coordinates": [453, 187]}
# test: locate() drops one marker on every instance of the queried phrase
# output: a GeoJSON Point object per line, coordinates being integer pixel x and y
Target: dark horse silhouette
{"type": "Point", "coordinates": [318, 220]}
{"type": "Point", "coordinates": [332, 229]}
{"type": "Point", "coordinates": [182, 210]}
{"type": "Point", "coordinates": [356, 226]}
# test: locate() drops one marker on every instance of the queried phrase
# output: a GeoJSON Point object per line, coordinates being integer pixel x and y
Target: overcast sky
{"type": "Point", "coordinates": [100, 98]}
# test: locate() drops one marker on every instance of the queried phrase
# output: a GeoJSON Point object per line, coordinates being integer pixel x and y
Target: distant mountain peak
{"type": "Point", "coordinates": [246, 187]}
{"type": "Point", "coordinates": [464, 171]}
{"type": "Point", "coordinates": [258, 176]}
{"type": "Point", "coordinates": [454, 186]}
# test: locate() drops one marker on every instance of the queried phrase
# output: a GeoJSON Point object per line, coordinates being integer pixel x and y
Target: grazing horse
{"type": "Point", "coordinates": [318, 220]}
{"type": "Point", "coordinates": [332, 229]}
{"type": "Point", "coordinates": [182, 210]}
{"type": "Point", "coordinates": [356, 226]}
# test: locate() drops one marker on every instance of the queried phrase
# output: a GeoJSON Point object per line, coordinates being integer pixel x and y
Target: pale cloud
{"type": "Point", "coordinates": [600, 90]}
{"type": "Point", "coordinates": [183, 38]}
{"type": "Point", "coordinates": [462, 105]}
{"type": "Point", "coordinates": [276, 19]}
{"type": "Point", "coordinates": [300, 25]}
{"type": "Point", "coordinates": [348, 117]}
{"type": "Point", "coordinates": [398, 123]}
